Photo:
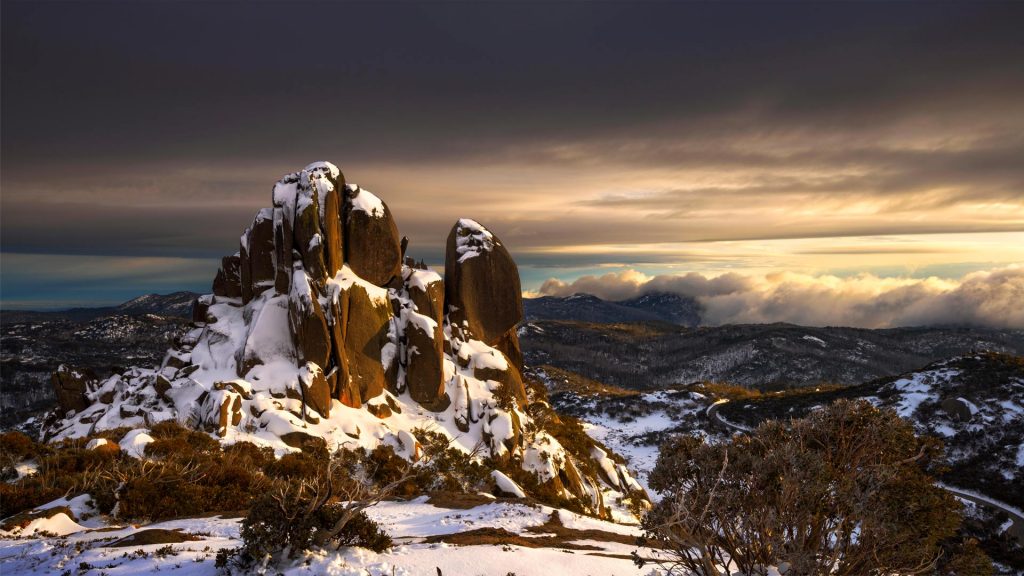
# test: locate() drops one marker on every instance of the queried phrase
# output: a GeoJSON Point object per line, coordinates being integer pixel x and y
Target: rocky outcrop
{"type": "Point", "coordinates": [70, 387]}
{"type": "Point", "coordinates": [307, 322]}
{"type": "Point", "coordinates": [482, 288]}
{"type": "Point", "coordinates": [367, 345]}
{"type": "Point", "coordinates": [259, 240]}
{"type": "Point", "coordinates": [423, 345]}
{"type": "Point", "coordinates": [316, 393]}
{"type": "Point", "coordinates": [334, 240]}
{"type": "Point", "coordinates": [373, 246]}
{"type": "Point", "coordinates": [228, 282]}
{"type": "Point", "coordinates": [320, 333]}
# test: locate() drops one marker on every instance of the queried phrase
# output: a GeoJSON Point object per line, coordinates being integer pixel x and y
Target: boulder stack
{"type": "Point", "coordinates": [482, 288]}
{"type": "Point", "coordinates": [321, 277]}
{"type": "Point", "coordinates": [319, 330]}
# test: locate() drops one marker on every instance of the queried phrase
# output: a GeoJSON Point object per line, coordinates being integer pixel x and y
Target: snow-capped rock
{"type": "Point", "coordinates": [315, 329]}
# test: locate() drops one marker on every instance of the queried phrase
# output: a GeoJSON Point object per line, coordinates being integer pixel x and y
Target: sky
{"type": "Point", "coordinates": [862, 151]}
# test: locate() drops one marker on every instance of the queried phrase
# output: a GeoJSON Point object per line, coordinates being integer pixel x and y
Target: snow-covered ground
{"type": "Point", "coordinates": [84, 547]}
{"type": "Point", "coordinates": [636, 433]}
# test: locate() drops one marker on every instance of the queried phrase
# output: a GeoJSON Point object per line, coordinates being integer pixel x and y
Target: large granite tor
{"type": "Point", "coordinates": [318, 329]}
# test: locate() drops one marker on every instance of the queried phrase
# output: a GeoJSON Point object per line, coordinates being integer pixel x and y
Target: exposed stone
{"type": "Point", "coordinates": [176, 360]}
{"type": "Point", "coordinates": [571, 479]}
{"type": "Point", "coordinates": [245, 273]}
{"type": "Point", "coordinates": [440, 405]}
{"type": "Point", "coordinates": [153, 536]}
{"type": "Point", "coordinates": [482, 290]}
{"type": "Point", "coordinates": [424, 373]}
{"type": "Point", "coordinates": [282, 251]}
{"type": "Point", "coordinates": [161, 385]}
{"type": "Point", "coordinates": [187, 371]}
{"type": "Point", "coordinates": [228, 281]}
{"type": "Point", "coordinates": [261, 252]}
{"type": "Point", "coordinates": [21, 520]}
{"type": "Point", "coordinates": [70, 386]}
{"type": "Point", "coordinates": [509, 346]}
{"type": "Point", "coordinates": [309, 243]}
{"type": "Point", "coordinates": [366, 335]}
{"type": "Point", "coordinates": [308, 323]}
{"type": "Point", "coordinates": [426, 290]}
{"type": "Point", "coordinates": [330, 223]}
{"type": "Point", "coordinates": [303, 441]}
{"type": "Point", "coordinates": [511, 380]}
{"type": "Point", "coordinates": [230, 412]}
{"type": "Point", "coordinates": [395, 408]}
{"type": "Point", "coordinates": [424, 346]}
{"type": "Point", "coordinates": [372, 243]}
{"type": "Point", "coordinates": [237, 386]}
{"type": "Point", "coordinates": [379, 410]}
{"type": "Point", "coordinates": [316, 392]}
{"type": "Point", "coordinates": [342, 386]}
{"type": "Point", "coordinates": [219, 409]}
{"type": "Point", "coordinates": [957, 409]}
{"type": "Point", "coordinates": [200, 306]}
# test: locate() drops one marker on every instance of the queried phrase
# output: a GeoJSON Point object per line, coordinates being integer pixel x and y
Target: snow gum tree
{"type": "Point", "coordinates": [845, 491]}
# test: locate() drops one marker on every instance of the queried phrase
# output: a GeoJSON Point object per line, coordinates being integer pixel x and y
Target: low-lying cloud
{"type": "Point", "coordinates": [993, 298]}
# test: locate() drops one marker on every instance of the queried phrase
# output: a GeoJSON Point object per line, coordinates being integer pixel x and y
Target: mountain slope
{"type": "Point", "coordinates": [173, 304]}
{"type": "Point", "coordinates": [648, 356]}
{"type": "Point", "coordinates": [653, 307]}
{"type": "Point", "coordinates": [974, 404]}
{"type": "Point", "coordinates": [100, 340]}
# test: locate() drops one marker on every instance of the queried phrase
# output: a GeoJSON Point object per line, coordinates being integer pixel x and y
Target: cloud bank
{"type": "Point", "coordinates": [993, 298]}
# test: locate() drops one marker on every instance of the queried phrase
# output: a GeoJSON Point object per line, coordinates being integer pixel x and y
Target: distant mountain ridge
{"type": "Point", "coordinates": [176, 304]}
{"type": "Point", "coordinates": [173, 304]}
{"type": "Point", "coordinates": [651, 307]}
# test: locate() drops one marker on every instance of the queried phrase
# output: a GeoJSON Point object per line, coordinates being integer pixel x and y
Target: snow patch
{"type": "Point", "coordinates": [134, 443]}
{"type": "Point", "coordinates": [506, 484]}
{"type": "Point", "coordinates": [365, 201]}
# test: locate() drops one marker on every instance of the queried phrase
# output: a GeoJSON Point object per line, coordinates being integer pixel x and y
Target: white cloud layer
{"type": "Point", "coordinates": [993, 298]}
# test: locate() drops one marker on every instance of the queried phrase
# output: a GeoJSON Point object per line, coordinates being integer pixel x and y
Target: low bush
{"type": "Point", "coordinates": [15, 448]}
{"type": "Point", "coordinates": [173, 439]}
{"type": "Point", "coordinates": [295, 466]}
{"type": "Point", "coordinates": [324, 511]}
{"type": "Point", "coordinates": [845, 491]}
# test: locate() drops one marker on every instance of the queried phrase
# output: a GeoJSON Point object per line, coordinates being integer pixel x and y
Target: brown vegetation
{"type": "Point", "coordinates": [845, 491]}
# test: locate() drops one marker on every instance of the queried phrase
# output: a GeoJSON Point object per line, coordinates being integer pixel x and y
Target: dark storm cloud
{"type": "Point", "coordinates": [156, 128]}
{"type": "Point", "coordinates": [410, 82]}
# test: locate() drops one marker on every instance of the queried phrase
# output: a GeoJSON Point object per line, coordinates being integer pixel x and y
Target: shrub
{"type": "Point", "coordinates": [318, 512]}
{"type": "Point", "coordinates": [845, 491]}
{"type": "Point", "coordinates": [250, 455]}
{"type": "Point", "coordinates": [63, 470]}
{"type": "Point", "coordinates": [172, 439]}
{"type": "Point", "coordinates": [294, 466]}
{"type": "Point", "coordinates": [448, 469]}
{"type": "Point", "coordinates": [17, 447]}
